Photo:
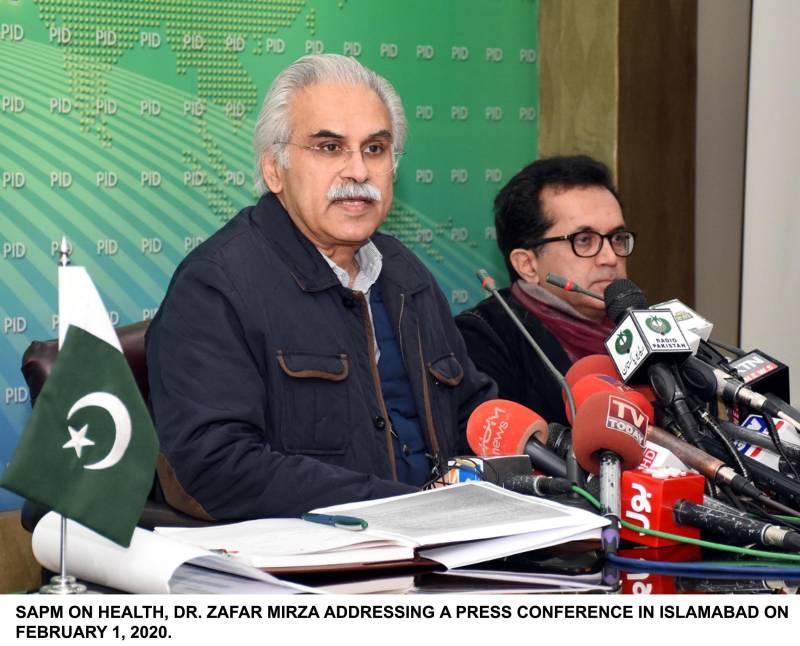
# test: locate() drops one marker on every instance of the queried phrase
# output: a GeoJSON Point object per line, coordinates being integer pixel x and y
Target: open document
{"type": "Point", "coordinates": [454, 526]}
{"type": "Point", "coordinates": [151, 564]}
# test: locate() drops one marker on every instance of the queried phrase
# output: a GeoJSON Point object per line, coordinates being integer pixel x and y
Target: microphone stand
{"type": "Point", "coordinates": [574, 472]}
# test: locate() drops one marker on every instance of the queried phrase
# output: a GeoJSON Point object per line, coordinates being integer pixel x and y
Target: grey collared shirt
{"type": "Point", "coordinates": [370, 263]}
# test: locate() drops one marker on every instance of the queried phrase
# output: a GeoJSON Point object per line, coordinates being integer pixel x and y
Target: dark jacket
{"type": "Point", "coordinates": [263, 383]}
{"type": "Point", "coordinates": [497, 347]}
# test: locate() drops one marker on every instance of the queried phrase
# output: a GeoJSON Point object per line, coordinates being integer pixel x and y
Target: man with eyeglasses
{"type": "Point", "coordinates": [558, 215]}
{"type": "Point", "coordinates": [300, 359]}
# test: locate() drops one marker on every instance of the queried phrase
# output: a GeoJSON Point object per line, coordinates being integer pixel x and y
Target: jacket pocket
{"type": "Point", "coordinates": [315, 402]}
{"type": "Point", "coordinates": [446, 370]}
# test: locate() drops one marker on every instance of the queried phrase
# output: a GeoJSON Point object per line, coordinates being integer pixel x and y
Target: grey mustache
{"type": "Point", "coordinates": [352, 191]}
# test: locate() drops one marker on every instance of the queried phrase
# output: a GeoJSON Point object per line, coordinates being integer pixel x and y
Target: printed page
{"type": "Point", "coordinates": [464, 512]}
{"type": "Point", "coordinates": [292, 542]}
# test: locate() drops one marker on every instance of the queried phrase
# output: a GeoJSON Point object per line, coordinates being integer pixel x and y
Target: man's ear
{"type": "Point", "coordinates": [526, 264]}
{"type": "Point", "coordinates": [271, 170]}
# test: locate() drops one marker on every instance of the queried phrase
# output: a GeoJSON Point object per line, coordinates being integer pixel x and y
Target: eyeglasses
{"type": "Point", "coordinates": [587, 244]}
{"type": "Point", "coordinates": [378, 157]}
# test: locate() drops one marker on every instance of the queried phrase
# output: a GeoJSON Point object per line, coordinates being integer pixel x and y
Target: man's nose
{"type": "Point", "coordinates": [354, 168]}
{"type": "Point", "coordinates": [606, 256]}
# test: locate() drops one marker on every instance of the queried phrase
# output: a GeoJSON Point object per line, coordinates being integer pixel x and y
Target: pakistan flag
{"type": "Point", "coordinates": [89, 448]}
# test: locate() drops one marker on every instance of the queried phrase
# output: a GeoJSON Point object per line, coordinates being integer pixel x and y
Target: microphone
{"type": "Point", "coordinates": [731, 390]}
{"type": "Point", "coordinates": [559, 439]}
{"type": "Point", "coordinates": [609, 436]}
{"type": "Point", "coordinates": [589, 365]}
{"type": "Point", "coordinates": [570, 286]}
{"type": "Point", "coordinates": [541, 486]}
{"type": "Point", "coordinates": [740, 527]}
{"type": "Point", "coordinates": [609, 423]}
{"type": "Point", "coordinates": [596, 383]}
{"type": "Point", "coordinates": [494, 470]}
{"type": "Point", "coordinates": [753, 433]}
{"type": "Point", "coordinates": [601, 364]}
{"type": "Point", "coordinates": [643, 336]}
{"type": "Point", "coordinates": [777, 484]}
{"type": "Point", "coordinates": [512, 472]}
{"type": "Point", "coordinates": [489, 284]}
{"type": "Point", "coordinates": [671, 395]}
{"type": "Point", "coordinates": [716, 470]}
{"type": "Point", "coordinates": [502, 427]}
{"type": "Point", "coordinates": [695, 328]}
{"type": "Point", "coordinates": [763, 374]}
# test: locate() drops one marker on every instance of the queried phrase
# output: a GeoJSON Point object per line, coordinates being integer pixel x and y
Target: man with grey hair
{"type": "Point", "coordinates": [300, 358]}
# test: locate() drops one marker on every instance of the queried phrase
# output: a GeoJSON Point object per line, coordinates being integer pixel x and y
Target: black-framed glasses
{"type": "Point", "coordinates": [587, 244]}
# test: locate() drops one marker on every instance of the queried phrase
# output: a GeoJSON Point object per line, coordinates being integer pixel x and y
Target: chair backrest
{"type": "Point", "coordinates": [38, 360]}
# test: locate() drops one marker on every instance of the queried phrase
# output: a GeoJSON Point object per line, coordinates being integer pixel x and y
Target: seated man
{"type": "Point", "coordinates": [299, 358]}
{"type": "Point", "coordinates": [559, 215]}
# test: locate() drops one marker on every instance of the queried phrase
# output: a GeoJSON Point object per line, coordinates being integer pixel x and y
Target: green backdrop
{"type": "Point", "coordinates": [126, 125]}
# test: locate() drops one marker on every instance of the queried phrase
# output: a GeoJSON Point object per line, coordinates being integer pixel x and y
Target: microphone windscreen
{"type": "Point", "coordinates": [609, 422]}
{"type": "Point", "coordinates": [620, 296]}
{"type": "Point", "coordinates": [592, 364]}
{"type": "Point", "coordinates": [503, 427]}
{"type": "Point", "coordinates": [592, 384]}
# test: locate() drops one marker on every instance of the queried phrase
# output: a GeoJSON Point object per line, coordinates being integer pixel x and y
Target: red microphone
{"type": "Point", "coordinates": [603, 365]}
{"type": "Point", "coordinates": [589, 385]}
{"type": "Point", "coordinates": [608, 437]}
{"type": "Point", "coordinates": [591, 364]}
{"type": "Point", "coordinates": [502, 427]}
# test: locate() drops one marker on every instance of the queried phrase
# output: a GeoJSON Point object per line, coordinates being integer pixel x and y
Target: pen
{"type": "Point", "coordinates": [345, 522]}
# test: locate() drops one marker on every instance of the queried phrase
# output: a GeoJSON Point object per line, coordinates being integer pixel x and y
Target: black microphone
{"type": "Point", "coordinates": [733, 391]}
{"type": "Point", "coordinates": [643, 336]}
{"type": "Point", "coordinates": [739, 527]}
{"type": "Point", "coordinates": [749, 436]}
{"type": "Point", "coordinates": [712, 467]}
{"type": "Point", "coordinates": [559, 439]}
{"type": "Point", "coordinates": [541, 486]}
{"type": "Point", "coordinates": [669, 392]}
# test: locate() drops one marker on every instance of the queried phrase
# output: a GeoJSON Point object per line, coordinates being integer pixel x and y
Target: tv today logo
{"type": "Point", "coordinates": [626, 417]}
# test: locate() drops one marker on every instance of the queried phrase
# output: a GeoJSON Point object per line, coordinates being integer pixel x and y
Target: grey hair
{"type": "Point", "coordinates": [273, 128]}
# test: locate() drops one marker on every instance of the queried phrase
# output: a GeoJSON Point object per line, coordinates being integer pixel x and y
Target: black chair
{"type": "Point", "coordinates": [37, 363]}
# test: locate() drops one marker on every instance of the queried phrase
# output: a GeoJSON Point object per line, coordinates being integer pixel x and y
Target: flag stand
{"type": "Point", "coordinates": [63, 584]}
{"type": "Point", "coordinates": [40, 470]}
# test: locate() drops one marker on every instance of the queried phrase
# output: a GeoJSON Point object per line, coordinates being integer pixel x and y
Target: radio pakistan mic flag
{"type": "Point", "coordinates": [89, 448]}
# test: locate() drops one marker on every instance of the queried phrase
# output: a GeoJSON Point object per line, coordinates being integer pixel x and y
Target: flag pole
{"type": "Point", "coordinates": [63, 583]}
